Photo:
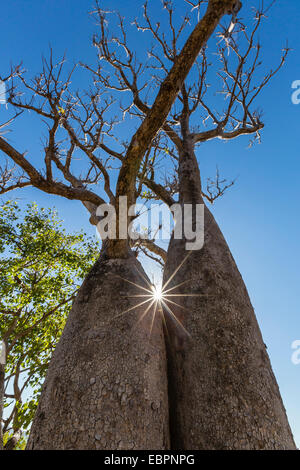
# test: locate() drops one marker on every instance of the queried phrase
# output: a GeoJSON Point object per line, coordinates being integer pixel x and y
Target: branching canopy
{"type": "Point", "coordinates": [163, 97]}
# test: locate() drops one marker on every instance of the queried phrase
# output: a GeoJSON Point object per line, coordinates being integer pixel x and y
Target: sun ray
{"type": "Point", "coordinates": [130, 309]}
{"type": "Point", "coordinates": [146, 311]}
{"type": "Point", "coordinates": [140, 295]}
{"type": "Point", "coordinates": [153, 317]}
{"type": "Point", "coordinates": [188, 295]}
{"type": "Point", "coordinates": [174, 316]}
{"type": "Point", "coordinates": [176, 270]}
{"type": "Point", "coordinates": [175, 303]}
{"type": "Point", "coordinates": [143, 277]}
{"type": "Point", "coordinates": [165, 324]}
{"type": "Point", "coordinates": [175, 287]}
{"type": "Point", "coordinates": [134, 284]}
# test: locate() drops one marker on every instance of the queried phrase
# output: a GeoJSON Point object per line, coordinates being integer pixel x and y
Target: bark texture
{"type": "Point", "coordinates": [106, 386]}
{"type": "Point", "coordinates": [222, 390]}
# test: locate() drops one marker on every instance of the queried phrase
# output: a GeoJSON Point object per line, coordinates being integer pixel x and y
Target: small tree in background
{"type": "Point", "coordinates": [41, 269]}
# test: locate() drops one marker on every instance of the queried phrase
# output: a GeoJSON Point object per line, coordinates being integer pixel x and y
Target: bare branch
{"type": "Point", "coordinates": [216, 188]}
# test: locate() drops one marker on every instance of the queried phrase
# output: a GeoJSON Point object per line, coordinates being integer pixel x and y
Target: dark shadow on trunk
{"type": "Point", "coordinates": [106, 387]}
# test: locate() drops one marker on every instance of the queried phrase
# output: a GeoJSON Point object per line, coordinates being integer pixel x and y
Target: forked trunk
{"type": "Point", "coordinates": [106, 387]}
{"type": "Point", "coordinates": [222, 390]}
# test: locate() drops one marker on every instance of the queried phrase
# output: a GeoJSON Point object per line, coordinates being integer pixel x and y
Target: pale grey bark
{"type": "Point", "coordinates": [222, 390]}
{"type": "Point", "coordinates": [106, 387]}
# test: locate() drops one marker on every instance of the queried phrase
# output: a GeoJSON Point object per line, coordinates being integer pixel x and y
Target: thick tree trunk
{"type": "Point", "coordinates": [222, 390]}
{"type": "Point", "coordinates": [106, 386]}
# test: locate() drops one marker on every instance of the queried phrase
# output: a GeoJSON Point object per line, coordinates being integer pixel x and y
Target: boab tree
{"type": "Point", "coordinates": [222, 390]}
{"type": "Point", "coordinates": [106, 386]}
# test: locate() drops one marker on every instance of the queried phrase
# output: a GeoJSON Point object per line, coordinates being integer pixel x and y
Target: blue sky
{"type": "Point", "coordinates": [259, 216]}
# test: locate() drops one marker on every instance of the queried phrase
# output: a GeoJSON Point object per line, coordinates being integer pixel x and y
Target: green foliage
{"type": "Point", "coordinates": [21, 445]}
{"type": "Point", "coordinates": [41, 269]}
{"type": "Point", "coordinates": [148, 195]}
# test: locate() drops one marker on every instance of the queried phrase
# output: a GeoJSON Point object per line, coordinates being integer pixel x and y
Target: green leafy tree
{"type": "Point", "coordinates": [41, 269]}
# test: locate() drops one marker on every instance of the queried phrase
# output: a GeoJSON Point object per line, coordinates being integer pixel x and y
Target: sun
{"type": "Point", "coordinates": [157, 293]}
{"type": "Point", "coordinates": [158, 300]}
